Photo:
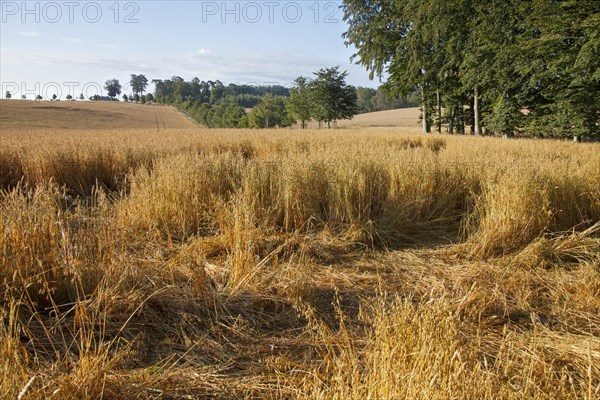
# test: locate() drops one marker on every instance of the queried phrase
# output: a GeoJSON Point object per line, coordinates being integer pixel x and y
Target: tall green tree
{"type": "Point", "coordinates": [563, 41]}
{"type": "Point", "coordinates": [490, 65]}
{"type": "Point", "coordinates": [138, 83]}
{"type": "Point", "coordinates": [390, 42]}
{"type": "Point", "coordinates": [7, 95]}
{"type": "Point", "coordinates": [416, 44]}
{"type": "Point", "coordinates": [332, 98]}
{"type": "Point", "coordinates": [500, 65]}
{"type": "Point", "coordinates": [113, 87]}
{"type": "Point", "coordinates": [299, 104]}
{"type": "Point", "coordinates": [270, 113]}
{"type": "Point", "coordinates": [181, 90]}
{"type": "Point", "coordinates": [216, 91]}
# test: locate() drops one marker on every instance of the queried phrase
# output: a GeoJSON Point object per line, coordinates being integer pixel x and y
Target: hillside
{"type": "Point", "coordinates": [83, 115]}
{"type": "Point", "coordinates": [403, 117]}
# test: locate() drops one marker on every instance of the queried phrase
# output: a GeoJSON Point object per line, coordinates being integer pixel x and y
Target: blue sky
{"type": "Point", "coordinates": [75, 46]}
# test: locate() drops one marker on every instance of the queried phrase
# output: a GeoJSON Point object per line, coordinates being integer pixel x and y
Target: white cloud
{"type": "Point", "coordinates": [31, 34]}
{"type": "Point", "coordinates": [257, 68]}
{"type": "Point", "coordinates": [204, 52]}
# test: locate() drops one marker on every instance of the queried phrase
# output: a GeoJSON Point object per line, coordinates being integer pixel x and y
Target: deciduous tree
{"type": "Point", "coordinates": [138, 83]}
{"type": "Point", "coordinates": [270, 113]}
{"type": "Point", "coordinates": [113, 88]}
{"type": "Point", "coordinates": [503, 65]}
{"type": "Point", "coordinates": [331, 97]}
{"type": "Point", "coordinates": [299, 104]}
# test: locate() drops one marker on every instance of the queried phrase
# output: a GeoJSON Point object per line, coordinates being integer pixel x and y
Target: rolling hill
{"type": "Point", "coordinates": [403, 117]}
{"type": "Point", "coordinates": [84, 115]}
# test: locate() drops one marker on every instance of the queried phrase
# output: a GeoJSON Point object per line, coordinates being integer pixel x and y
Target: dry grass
{"type": "Point", "coordinates": [405, 118]}
{"type": "Point", "coordinates": [88, 115]}
{"type": "Point", "coordinates": [284, 264]}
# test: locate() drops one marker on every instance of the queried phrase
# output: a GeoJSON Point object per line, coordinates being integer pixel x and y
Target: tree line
{"type": "Point", "coordinates": [326, 99]}
{"type": "Point", "coordinates": [178, 90]}
{"type": "Point", "coordinates": [371, 100]}
{"type": "Point", "coordinates": [500, 66]}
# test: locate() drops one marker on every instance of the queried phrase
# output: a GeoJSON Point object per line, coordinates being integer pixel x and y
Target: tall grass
{"type": "Point", "coordinates": [279, 264]}
{"type": "Point", "coordinates": [423, 350]}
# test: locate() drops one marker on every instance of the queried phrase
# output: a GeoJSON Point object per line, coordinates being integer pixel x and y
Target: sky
{"type": "Point", "coordinates": [73, 47]}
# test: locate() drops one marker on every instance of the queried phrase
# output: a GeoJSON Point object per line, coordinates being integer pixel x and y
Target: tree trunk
{"type": "Point", "coordinates": [439, 111]}
{"type": "Point", "coordinates": [476, 112]}
{"type": "Point", "coordinates": [469, 119]}
{"type": "Point", "coordinates": [451, 121]}
{"type": "Point", "coordinates": [424, 118]}
{"type": "Point", "coordinates": [461, 119]}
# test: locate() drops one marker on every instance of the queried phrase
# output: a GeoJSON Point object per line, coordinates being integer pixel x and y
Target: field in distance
{"type": "Point", "coordinates": [402, 117]}
{"type": "Point", "coordinates": [84, 115]}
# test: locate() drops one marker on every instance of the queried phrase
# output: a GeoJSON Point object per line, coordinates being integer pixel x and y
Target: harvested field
{"type": "Point", "coordinates": [405, 118]}
{"type": "Point", "coordinates": [88, 115]}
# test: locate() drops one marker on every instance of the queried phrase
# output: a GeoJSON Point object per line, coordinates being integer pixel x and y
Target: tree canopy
{"type": "Point", "coordinates": [113, 88]}
{"type": "Point", "coordinates": [332, 98]}
{"type": "Point", "coordinates": [214, 104]}
{"type": "Point", "coordinates": [300, 103]}
{"type": "Point", "coordinates": [270, 113]}
{"type": "Point", "coordinates": [138, 83]}
{"type": "Point", "coordinates": [502, 65]}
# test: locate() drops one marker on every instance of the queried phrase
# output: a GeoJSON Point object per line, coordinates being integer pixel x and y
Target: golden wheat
{"type": "Point", "coordinates": [284, 264]}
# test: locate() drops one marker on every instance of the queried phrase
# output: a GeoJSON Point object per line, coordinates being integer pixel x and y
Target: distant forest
{"type": "Point", "coordinates": [177, 90]}
{"type": "Point", "coordinates": [216, 105]}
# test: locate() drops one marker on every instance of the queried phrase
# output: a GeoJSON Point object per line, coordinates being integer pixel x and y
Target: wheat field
{"type": "Point", "coordinates": [343, 264]}
{"type": "Point", "coordinates": [88, 115]}
{"type": "Point", "coordinates": [406, 118]}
